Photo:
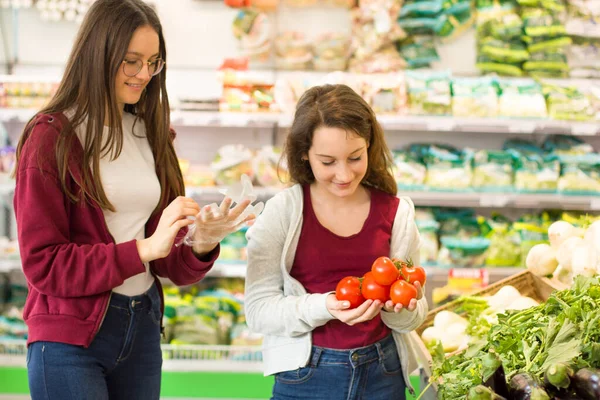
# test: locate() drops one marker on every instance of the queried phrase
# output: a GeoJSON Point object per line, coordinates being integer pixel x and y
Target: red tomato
{"type": "Point", "coordinates": [384, 271]}
{"type": "Point", "coordinates": [402, 292]}
{"type": "Point", "coordinates": [373, 290]}
{"type": "Point", "coordinates": [412, 274]}
{"type": "Point", "coordinates": [348, 289]}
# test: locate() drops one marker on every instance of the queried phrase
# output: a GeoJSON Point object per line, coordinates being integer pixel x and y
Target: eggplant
{"type": "Point", "coordinates": [481, 392]}
{"type": "Point", "coordinates": [525, 387]}
{"type": "Point", "coordinates": [586, 383]}
{"type": "Point", "coordinates": [497, 382]}
{"type": "Point", "coordinates": [564, 395]}
{"type": "Point", "coordinates": [559, 375]}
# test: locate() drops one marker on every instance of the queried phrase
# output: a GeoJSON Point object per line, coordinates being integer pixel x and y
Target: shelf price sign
{"type": "Point", "coordinates": [468, 279]}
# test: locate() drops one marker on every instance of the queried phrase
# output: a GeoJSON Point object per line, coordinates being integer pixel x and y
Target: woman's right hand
{"type": "Point", "coordinates": [173, 218]}
{"type": "Point", "coordinates": [365, 312]}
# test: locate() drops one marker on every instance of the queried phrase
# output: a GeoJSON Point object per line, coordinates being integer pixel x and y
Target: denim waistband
{"type": "Point", "coordinates": [358, 356]}
{"type": "Point", "coordinates": [143, 301]}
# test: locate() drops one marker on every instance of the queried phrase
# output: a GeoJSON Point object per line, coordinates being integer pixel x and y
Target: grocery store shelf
{"type": "Point", "coordinates": [450, 199]}
{"type": "Point", "coordinates": [16, 114]}
{"type": "Point", "coordinates": [501, 200]}
{"type": "Point", "coordinates": [389, 122]}
{"type": "Point", "coordinates": [223, 269]}
{"type": "Point", "coordinates": [10, 265]}
{"type": "Point", "coordinates": [488, 125]}
{"type": "Point", "coordinates": [181, 358]}
{"type": "Point", "coordinates": [213, 193]}
{"type": "Point", "coordinates": [223, 119]}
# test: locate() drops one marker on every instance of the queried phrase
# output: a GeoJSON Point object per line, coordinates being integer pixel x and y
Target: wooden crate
{"type": "Point", "coordinates": [525, 282]}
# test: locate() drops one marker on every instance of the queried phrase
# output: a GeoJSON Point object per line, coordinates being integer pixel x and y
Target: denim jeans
{"type": "Point", "coordinates": [123, 361]}
{"type": "Point", "coordinates": [369, 373]}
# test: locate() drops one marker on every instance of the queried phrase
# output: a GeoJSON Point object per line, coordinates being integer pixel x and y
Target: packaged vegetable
{"type": "Point", "coordinates": [448, 169]}
{"type": "Point", "coordinates": [487, 65]}
{"type": "Point", "coordinates": [419, 51]}
{"type": "Point", "coordinates": [538, 22]}
{"type": "Point", "coordinates": [460, 253]}
{"type": "Point", "coordinates": [566, 145]}
{"type": "Point", "coordinates": [409, 171]}
{"type": "Point", "coordinates": [493, 170]}
{"type": "Point", "coordinates": [474, 97]}
{"type": "Point", "coordinates": [386, 93]}
{"type": "Point", "coordinates": [428, 228]}
{"type": "Point", "coordinates": [534, 170]}
{"type": "Point", "coordinates": [231, 162]}
{"type": "Point", "coordinates": [568, 103]}
{"type": "Point", "coordinates": [268, 170]}
{"type": "Point", "coordinates": [544, 61]}
{"type": "Point", "coordinates": [521, 98]}
{"type": "Point", "coordinates": [501, 51]}
{"type": "Point", "coordinates": [505, 244]}
{"type": "Point", "coordinates": [580, 174]}
{"type": "Point", "coordinates": [429, 93]}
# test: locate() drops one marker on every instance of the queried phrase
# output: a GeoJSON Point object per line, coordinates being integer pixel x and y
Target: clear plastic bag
{"type": "Point", "coordinates": [215, 231]}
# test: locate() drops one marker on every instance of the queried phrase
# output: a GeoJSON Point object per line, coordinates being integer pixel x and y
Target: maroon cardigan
{"type": "Point", "coordinates": [69, 257]}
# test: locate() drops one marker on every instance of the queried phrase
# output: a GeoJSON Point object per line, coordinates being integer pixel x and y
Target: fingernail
{"type": "Point", "coordinates": [345, 304]}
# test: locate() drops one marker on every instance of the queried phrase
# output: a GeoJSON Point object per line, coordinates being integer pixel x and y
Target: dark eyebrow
{"type": "Point", "coordinates": [135, 53]}
{"type": "Point", "coordinates": [357, 150]}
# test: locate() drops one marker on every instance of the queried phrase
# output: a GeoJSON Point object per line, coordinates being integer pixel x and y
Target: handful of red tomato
{"type": "Point", "coordinates": [389, 279]}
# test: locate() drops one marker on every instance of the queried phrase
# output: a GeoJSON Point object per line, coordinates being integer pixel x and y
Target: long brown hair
{"type": "Point", "coordinates": [338, 106]}
{"type": "Point", "coordinates": [88, 88]}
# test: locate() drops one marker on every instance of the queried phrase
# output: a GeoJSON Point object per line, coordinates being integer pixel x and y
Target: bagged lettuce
{"type": "Point", "coordinates": [580, 174]}
{"type": "Point", "coordinates": [521, 98]}
{"type": "Point", "coordinates": [568, 103]}
{"type": "Point", "coordinates": [429, 93]}
{"type": "Point", "coordinates": [493, 170]}
{"type": "Point", "coordinates": [535, 171]}
{"type": "Point", "coordinates": [474, 97]}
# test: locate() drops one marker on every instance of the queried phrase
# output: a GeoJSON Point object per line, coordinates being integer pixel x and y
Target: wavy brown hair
{"type": "Point", "coordinates": [88, 88]}
{"type": "Point", "coordinates": [338, 106]}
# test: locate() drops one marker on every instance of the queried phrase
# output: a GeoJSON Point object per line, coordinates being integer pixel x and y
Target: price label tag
{"type": "Point", "coordinates": [595, 204]}
{"type": "Point", "coordinates": [583, 129]}
{"type": "Point", "coordinates": [491, 200]}
{"type": "Point", "coordinates": [468, 279]}
{"type": "Point", "coordinates": [521, 127]}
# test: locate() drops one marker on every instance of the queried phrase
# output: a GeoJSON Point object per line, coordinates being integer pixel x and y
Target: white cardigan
{"type": "Point", "coordinates": [278, 306]}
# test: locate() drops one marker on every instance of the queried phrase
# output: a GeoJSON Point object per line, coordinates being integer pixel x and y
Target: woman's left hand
{"type": "Point", "coordinates": [213, 225]}
{"type": "Point", "coordinates": [390, 307]}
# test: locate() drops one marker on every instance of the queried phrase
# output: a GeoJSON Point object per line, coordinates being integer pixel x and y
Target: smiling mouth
{"type": "Point", "coordinates": [135, 86]}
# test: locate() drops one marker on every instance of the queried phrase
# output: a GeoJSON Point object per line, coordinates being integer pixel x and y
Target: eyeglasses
{"type": "Point", "coordinates": [133, 67]}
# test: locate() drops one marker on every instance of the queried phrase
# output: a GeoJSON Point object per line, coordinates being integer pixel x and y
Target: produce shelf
{"type": "Point", "coordinates": [450, 199]}
{"type": "Point", "coordinates": [389, 122]}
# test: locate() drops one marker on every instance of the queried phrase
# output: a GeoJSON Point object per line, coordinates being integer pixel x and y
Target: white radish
{"type": "Point", "coordinates": [503, 298]}
{"type": "Point", "coordinates": [444, 319]}
{"type": "Point", "coordinates": [592, 235]}
{"type": "Point", "coordinates": [560, 231]}
{"type": "Point", "coordinates": [585, 260]}
{"type": "Point", "coordinates": [431, 335]}
{"type": "Point", "coordinates": [522, 303]}
{"type": "Point", "coordinates": [541, 260]}
{"type": "Point", "coordinates": [563, 275]}
{"type": "Point", "coordinates": [564, 254]}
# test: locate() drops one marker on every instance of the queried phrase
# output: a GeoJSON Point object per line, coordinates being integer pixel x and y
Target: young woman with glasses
{"type": "Point", "coordinates": [100, 207]}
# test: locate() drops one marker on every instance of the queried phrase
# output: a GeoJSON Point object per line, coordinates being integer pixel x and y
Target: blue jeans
{"type": "Point", "coordinates": [123, 361]}
{"type": "Point", "coordinates": [369, 373]}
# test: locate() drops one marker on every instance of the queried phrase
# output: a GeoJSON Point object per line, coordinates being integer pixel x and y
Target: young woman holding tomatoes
{"type": "Point", "coordinates": [341, 215]}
